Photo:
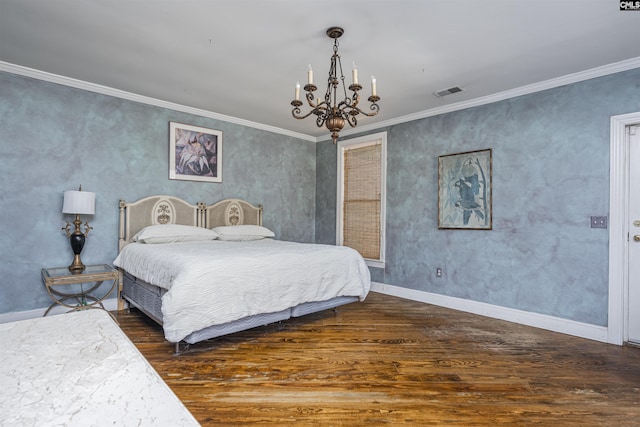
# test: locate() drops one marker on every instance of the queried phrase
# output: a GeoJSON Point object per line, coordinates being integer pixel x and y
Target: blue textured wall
{"type": "Point", "coordinates": [53, 138]}
{"type": "Point", "coordinates": [550, 174]}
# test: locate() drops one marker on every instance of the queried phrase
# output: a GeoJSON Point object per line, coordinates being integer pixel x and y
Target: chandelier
{"type": "Point", "coordinates": [336, 107]}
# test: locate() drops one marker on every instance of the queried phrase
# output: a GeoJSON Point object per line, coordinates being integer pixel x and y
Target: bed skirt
{"type": "Point", "coordinates": [148, 299]}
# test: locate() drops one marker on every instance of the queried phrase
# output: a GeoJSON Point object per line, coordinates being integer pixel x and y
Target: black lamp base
{"type": "Point", "coordinates": [77, 243]}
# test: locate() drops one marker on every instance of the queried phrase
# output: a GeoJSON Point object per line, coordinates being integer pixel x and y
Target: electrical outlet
{"type": "Point", "coordinates": [598, 222]}
{"type": "Point", "coordinates": [438, 272]}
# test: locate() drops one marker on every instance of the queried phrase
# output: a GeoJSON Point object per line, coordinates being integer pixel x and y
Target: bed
{"type": "Point", "coordinates": [203, 271]}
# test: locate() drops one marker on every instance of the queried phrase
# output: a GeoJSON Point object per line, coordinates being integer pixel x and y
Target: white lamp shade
{"type": "Point", "coordinates": [79, 202]}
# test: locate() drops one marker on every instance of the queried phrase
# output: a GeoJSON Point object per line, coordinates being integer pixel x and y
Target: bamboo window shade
{"type": "Point", "coordinates": [362, 199]}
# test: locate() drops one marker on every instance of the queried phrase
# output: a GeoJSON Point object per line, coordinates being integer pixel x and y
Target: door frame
{"type": "Point", "coordinates": [618, 326]}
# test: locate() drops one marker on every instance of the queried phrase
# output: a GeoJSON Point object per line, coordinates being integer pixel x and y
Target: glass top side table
{"type": "Point", "coordinates": [74, 296]}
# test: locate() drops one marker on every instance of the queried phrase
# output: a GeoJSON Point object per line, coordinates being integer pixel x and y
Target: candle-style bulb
{"type": "Point", "coordinates": [354, 73]}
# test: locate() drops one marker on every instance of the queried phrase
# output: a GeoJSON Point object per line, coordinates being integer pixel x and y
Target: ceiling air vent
{"type": "Point", "coordinates": [445, 92]}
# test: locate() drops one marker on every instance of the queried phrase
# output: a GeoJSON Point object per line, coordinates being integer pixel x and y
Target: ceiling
{"type": "Point", "coordinates": [242, 58]}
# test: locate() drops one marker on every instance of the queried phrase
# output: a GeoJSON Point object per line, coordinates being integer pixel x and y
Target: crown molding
{"type": "Point", "coordinates": [604, 70]}
{"type": "Point", "coordinates": [105, 90]}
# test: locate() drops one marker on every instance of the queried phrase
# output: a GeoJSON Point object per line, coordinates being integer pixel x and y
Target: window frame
{"type": "Point", "coordinates": [343, 146]}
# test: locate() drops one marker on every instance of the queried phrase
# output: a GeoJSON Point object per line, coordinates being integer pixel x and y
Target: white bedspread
{"type": "Point", "coordinates": [215, 282]}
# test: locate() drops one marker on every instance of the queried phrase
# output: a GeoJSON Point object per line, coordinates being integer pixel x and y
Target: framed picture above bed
{"type": "Point", "coordinates": [464, 190]}
{"type": "Point", "coordinates": [195, 153]}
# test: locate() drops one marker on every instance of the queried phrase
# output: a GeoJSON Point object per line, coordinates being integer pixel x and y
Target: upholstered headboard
{"type": "Point", "coordinates": [155, 210]}
{"type": "Point", "coordinates": [232, 212]}
{"type": "Point", "coordinates": [162, 209]}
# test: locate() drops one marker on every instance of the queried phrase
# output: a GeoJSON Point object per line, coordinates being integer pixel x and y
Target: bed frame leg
{"type": "Point", "coordinates": [178, 351]}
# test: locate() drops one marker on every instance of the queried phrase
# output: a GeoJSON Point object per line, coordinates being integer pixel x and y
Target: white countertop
{"type": "Point", "coordinates": [80, 369]}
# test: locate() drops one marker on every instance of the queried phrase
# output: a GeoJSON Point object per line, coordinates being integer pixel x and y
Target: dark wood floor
{"type": "Point", "coordinates": [395, 362]}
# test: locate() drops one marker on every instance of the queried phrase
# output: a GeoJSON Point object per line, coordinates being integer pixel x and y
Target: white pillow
{"type": "Point", "coordinates": [171, 233]}
{"type": "Point", "coordinates": [242, 232]}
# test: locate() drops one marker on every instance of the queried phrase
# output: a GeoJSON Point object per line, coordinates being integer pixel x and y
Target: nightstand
{"type": "Point", "coordinates": [78, 292]}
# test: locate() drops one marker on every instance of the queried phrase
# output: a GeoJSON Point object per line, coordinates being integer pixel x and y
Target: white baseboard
{"type": "Point", "coordinates": [542, 321]}
{"type": "Point", "coordinates": [109, 304]}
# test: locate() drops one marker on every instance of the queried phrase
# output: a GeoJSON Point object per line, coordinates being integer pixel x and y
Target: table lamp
{"type": "Point", "coordinates": [78, 203]}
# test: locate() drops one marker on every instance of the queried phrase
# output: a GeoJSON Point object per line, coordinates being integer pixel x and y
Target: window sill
{"type": "Point", "coordinates": [375, 263]}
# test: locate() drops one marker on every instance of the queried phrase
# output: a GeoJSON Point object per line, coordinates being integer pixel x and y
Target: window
{"type": "Point", "coordinates": [361, 196]}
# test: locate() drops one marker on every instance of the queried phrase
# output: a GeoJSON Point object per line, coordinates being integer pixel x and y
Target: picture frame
{"type": "Point", "coordinates": [195, 153]}
{"type": "Point", "coordinates": [465, 190]}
